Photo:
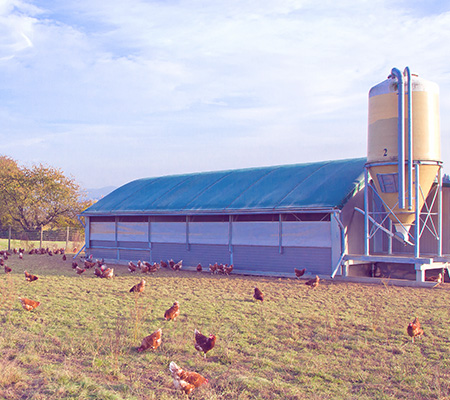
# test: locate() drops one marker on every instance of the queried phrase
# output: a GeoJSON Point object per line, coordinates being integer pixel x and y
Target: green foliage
{"type": "Point", "coordinates": [339, 341]}
{"type": "Point", "coordinates": [38, 196]}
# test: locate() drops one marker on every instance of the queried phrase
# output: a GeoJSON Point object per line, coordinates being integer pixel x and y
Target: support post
{"type": "Point", "coordinates": [187, 233]}
{"type": "Point", "coordinates": [280, 234]}
{"type": "Point", "coordinates": [9, 239]}
{"type": "Point", "coordinates": [417, 225]}
{"type": "Point", "coordinates": [67, 238]}
{"type": "Point", "coordinates": [420, 273]}
{"type": "Point", "coordinates": [42, 234]}
{"type": "Point", "coordinates": [116, 237]}
{"type": "Point", "coordinates": [366, 211]}
{"type": "Point", "coordinates": [230, 238]}
{"type": "Point", "coordinates": [390, 237]}
{"type": "Point", "coordinates": [440, 212]}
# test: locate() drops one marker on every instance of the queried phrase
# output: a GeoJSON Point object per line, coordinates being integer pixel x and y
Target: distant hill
{"type": "Point", "coordinates": [97, 194]}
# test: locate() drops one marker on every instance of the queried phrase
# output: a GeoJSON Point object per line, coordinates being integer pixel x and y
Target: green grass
{"type": "Point", "coordinates": [339, 341]}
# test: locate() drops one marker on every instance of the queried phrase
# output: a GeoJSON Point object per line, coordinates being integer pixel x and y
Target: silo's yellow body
{"type": "Point", "coordinates": [383, 141]}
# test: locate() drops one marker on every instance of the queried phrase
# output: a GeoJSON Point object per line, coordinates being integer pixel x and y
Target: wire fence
{"type": "Point", "coordinates": [62, 237]}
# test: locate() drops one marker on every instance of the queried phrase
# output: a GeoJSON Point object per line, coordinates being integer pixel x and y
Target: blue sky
{"type": "Point", "coordinates": [114, 91]}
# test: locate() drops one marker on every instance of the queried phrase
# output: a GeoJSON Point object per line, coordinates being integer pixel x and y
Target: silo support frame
{"type": "Point", "coordinates": [424, 220]}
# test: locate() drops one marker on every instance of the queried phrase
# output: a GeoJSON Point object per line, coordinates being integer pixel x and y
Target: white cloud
{"type": "Point", "coordinates": [240, 82]}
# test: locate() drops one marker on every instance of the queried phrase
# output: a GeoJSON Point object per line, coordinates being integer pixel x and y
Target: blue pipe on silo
{"type": "Point", "coordinates": [410, 137]}
{"type": "Point", "coordinates": [401, 138]}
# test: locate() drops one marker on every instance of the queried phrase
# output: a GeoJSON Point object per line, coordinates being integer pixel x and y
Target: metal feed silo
{"type": "Point", "coordinates": [403, 144]}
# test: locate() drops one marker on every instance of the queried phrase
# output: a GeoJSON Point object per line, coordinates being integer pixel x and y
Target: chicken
{"type": "Point", "coordinates": [228, 269]}
{"type": "Point", "coordinates": [258, 295]}
{"type": "Point", "coordinates": [177, 266]}
{"type": "Point", "coordinates": [7, 269]}
{"type": "Point", "coordinates": [79, 270]}
{"type": "Point", "coordinates": [185, 380]}
{"type": "Point", "coordinates": [154, 267]}
{"type": "Point", "coordinates": [28, 304]}
{"type": "Point", "coordinates": [414, 329]}
{"type": "Point", "coordinates": [139, 287]}
{"type": "Point", "coordinates": [173, 312]}
{"type": "Point", "coordinates": [132, 267]}
{"type": "Point", "coordinates": [147, 267]}
{"type": "Point", "coordinates": [64, 257]}
{"type": "Point", "coordinates": [89, 264]}
{"type": "Point", "coordinates": [98, 272]}
{"type": "Point", "coordinates": [163, 264]}
{"type": "Point", "coordinates": [220, 269]}
{"type": "Point", "coordinates": [299, 272]}
{"type": "Point", "coordinates": [213, 268]}
{"type": "Point", "coordinates": [74, 264]}
{"type": "Point", "coordinates": [152, 341]}
{"type": "Point", "coordinates": [437, 279]}
{"type": "Point", "coordinates": [21, 256]}
{"type": "Point", "coordinates": [313, 282]}
{"type": "Point", "coordinates": [30, 277]}
{"type": "Point", "coordinates": [199, 268]}
{"type": "Point", "coordinates": [108, 273]}
{"type": "Point", "coordinates": [171, 263]}
{"type": "Point", "coordinates": [204, 343]}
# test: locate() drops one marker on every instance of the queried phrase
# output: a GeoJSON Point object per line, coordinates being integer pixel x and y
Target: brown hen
{"type": "Point", "coordinates": [204, 343]}
{"type": "Point", "coordinates": [30, 277]}
{"type": "Point", "coordinates": [185, 380]}
{"type": "Point", "coordinates": [152, 341]}
{"type": "Point", "coordinates": [414, 330]}
{"type": "Point", "coordinates": [173, 312]}
{"type": "Point", "coordinates": [28, 304]}
{"type": "Point", "coordinates": [258, 295]}
{"type": "Point", "coordinates": [139, 287]}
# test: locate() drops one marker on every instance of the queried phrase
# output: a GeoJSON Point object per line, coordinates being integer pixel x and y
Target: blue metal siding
{"type": "Point", "coordinates": [268, 260]}
{"type": "Point", "coordinates": [134, 255]}
{"type": "Point", "coordinates": [107, 254]}
{"type": "Point", "coordinates": [103, 243]}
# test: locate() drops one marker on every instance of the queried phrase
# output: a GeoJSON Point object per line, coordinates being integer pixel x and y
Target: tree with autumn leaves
{"type": "Point", "coordinates": [38, 196]}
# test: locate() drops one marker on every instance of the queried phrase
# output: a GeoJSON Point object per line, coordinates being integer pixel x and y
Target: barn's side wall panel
{"type": "Point", "coordinates": [266, 247]}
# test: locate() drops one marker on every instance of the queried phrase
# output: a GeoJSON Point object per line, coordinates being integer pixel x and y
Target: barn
{"type": "Point", "coordinates": [264, 221]}
{"type": "Point", "coordinates": [387, 215]}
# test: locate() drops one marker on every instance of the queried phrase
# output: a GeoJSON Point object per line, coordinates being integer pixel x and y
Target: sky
{"type": "Point", "coordinates": [113, 91]}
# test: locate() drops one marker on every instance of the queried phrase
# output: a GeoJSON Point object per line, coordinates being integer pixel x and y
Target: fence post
{"type": "Point", "coordinates": [67, 238]}
{"type": "Point", "coordinates": [42, 234]}
{"type": "Point", "coordinates": [9, 239]}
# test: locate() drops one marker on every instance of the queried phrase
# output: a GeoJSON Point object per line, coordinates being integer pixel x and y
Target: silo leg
{"type": "Point", "coordinates": [420, 273]}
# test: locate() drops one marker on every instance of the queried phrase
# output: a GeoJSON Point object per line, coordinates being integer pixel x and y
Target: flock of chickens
{"type": "Point", "coordinates": [183, 380]}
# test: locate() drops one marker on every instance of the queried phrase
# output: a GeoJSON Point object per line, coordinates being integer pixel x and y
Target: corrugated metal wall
{"type": "Point", "coordinates": [250, 259]}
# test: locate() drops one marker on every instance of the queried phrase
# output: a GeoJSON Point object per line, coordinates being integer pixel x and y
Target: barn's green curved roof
{"type": "Point", "coordinates": [317, 186]}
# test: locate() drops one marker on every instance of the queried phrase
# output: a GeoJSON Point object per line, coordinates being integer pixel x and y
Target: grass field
{"type": "Point", "coordinates": [339, 341]}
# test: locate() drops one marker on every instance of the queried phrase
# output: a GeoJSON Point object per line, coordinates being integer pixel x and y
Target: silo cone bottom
{"type": "Point", "coordinates": [402, 231]}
